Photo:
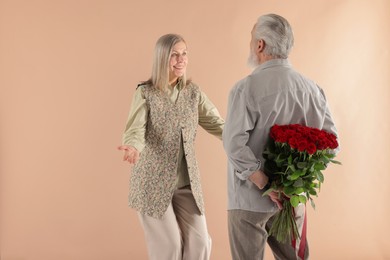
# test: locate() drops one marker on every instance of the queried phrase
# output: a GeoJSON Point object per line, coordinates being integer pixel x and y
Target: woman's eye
{"type": "Point", "coordinates": [177, 55]}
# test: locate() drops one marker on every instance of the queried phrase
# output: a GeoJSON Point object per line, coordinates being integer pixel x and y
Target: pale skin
{"type": "Point", "coordinates": [177, 68]}
{"type": "Point", "coordinates": [259, 178]}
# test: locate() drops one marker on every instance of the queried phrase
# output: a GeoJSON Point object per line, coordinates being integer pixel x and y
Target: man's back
{"type": "Point", "coordinates": [273, 94]}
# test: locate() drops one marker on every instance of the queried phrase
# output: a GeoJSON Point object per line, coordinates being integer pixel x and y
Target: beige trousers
{"type": "Point", "coordinates": [181, 234]}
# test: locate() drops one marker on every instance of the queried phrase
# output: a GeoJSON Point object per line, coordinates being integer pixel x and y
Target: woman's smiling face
{"type": "Point", "coordinates": [177, 62]}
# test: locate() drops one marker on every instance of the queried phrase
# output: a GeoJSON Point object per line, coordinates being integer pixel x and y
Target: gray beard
{"type": "Point", "coordinates": [252, 61]}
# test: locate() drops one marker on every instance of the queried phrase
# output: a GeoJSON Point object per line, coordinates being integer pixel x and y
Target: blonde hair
{"type": "Point", "coordinates": [161, 57]}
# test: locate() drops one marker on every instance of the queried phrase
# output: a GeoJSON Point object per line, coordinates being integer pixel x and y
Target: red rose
{"type": "Point", "coordinates": [302, 145]}
{"type": "Point", "coordinates": [275, 131]}
{"type": "Point", "coordinates": [293, 142]}
{"type": "Point", "coordinates": [321, 145]}
{"type": "Point", "coordinates": [281, 138]}
{"type": "Point", "coordinates": [290, 133]}
{"type": "Point", "coordinates": [312, 137]}
{"type": "Point", "coordinates": [311, 148]}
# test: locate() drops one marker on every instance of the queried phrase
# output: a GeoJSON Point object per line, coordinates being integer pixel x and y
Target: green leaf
{"type": "Point", "coordinates": [336, 162]}
{"type": "Point", "coordinates": [268, 191]}
{"type": "Point", "coordinates": [287, 182]}
{"type": "Point", "coordinates": [319, 166]}
{"type": "Point", "coordinates": [294, 200]}
{"type": "Point", "coordinates": [299, 190]}
{"type": "Point", "coordinates": [295, 175]}
{"type": "Point", "coordinates": [320, 176]}
{"type": "Point", "coordinates": [288, 190]}
{"type": "Point", "coordinates": [302, 199]}
{"type": "Point", "coordinates": [291, 167]}
{"type": "Point", "coordinates": [329, 155]}
{"type": "Point", "coordinates": [303, 172]}
{"type": "Point", "coordinates": [325, 160]}
{"type": "Point", "coordinates": [312, 203]}
{"type": "Point", "coordinates": [313, 192]}
{"type": "Point", "coordinates": [298, 183]}
{"type": "Point", "coordinates": [280, 158]}
{"type": "Point", "coordinates": [314, 185]}
{"type": "Point", "coordinates": [301, 165]}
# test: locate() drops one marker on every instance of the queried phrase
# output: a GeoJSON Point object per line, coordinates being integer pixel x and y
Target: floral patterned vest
{"type": "Point", "coordinates": [153, 180]}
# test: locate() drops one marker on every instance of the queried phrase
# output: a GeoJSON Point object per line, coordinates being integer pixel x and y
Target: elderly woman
{"type": "Point", "coordinates": [159, 139]}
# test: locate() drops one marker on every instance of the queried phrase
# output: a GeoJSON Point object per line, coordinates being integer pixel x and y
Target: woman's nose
{"type": "Point", "coordinates": [180, 58]}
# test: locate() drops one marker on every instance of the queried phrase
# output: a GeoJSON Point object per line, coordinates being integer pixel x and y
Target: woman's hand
{"type": "Point", "coordinates": [130, 153]}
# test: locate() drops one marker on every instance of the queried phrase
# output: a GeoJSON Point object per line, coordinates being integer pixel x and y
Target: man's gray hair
{"type": "Point", "coordinates": [276, 33]}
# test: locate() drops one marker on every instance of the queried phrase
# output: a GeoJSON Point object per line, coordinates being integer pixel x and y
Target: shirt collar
{"type": "Point", "coordinates": [179, 86]}
{"type": "Point", "coordinates": [272, 63]}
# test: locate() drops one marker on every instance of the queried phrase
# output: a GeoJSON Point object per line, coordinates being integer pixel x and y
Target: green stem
{"type": "Point", "coordinates": [284, 228]}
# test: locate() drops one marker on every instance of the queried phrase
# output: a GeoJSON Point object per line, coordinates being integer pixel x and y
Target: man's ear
{"type": "Point", "coordinates": [260, 45]}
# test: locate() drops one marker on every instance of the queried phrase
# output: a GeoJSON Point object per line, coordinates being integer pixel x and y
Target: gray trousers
{"type": "Point", "coordinates": [248, 234]}
{"type": "Point", "coordinates": [182, 232]}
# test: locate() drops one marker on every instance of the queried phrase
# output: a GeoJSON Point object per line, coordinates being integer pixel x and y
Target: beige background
{"type": "Point", "coordinates": [68, 69]}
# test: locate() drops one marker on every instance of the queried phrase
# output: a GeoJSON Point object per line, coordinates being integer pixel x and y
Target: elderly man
{"type": "Point", "coordinates": [274, 93]}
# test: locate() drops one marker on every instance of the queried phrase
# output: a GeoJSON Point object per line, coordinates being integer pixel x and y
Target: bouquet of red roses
{"type": "Point", "coordinates": [295, 157]}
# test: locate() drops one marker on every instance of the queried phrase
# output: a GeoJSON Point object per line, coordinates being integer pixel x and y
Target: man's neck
{"type": "Point", "coordinates": [264, 58]}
